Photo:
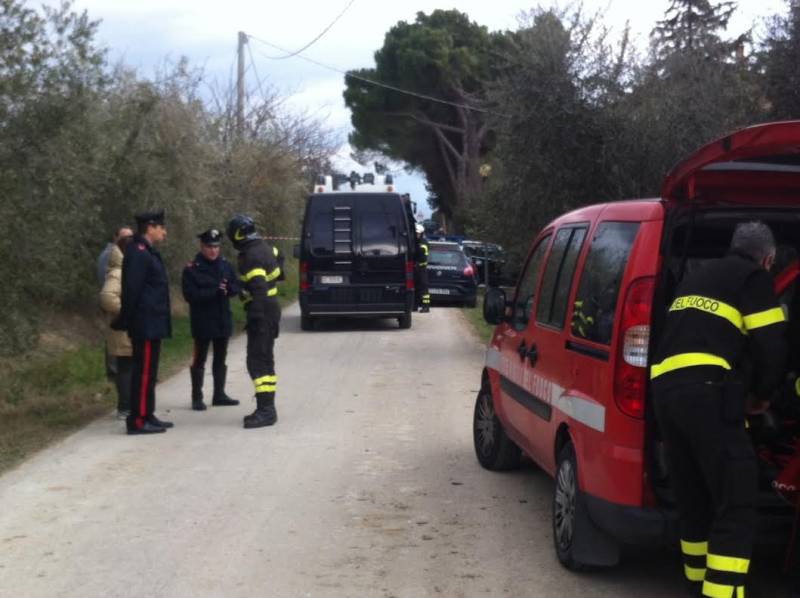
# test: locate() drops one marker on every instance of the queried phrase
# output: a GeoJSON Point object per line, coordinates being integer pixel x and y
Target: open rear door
{"type": "Point", "coordinates": [759, 165]}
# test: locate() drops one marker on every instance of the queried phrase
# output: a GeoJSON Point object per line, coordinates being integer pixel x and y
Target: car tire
{"type": "Point", "coordinates": [405, 321]}
{"type": "Point", "coordinates": [567, 508]}
{"type": "Point", "coordinates": [494, 449]}
{"type": "Point", "coordinates": [306, 322]}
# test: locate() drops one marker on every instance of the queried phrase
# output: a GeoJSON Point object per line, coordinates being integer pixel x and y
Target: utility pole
{"type": "Point", "coordinates": [240, 87]}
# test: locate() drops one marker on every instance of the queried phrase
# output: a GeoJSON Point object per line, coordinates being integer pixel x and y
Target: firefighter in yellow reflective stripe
{"type": "Point", "coordinates": [259, 269]}
{"type": "Point", "coordinates": [725, 316]}
{"type": "Point", "coordinates": [421, 270]}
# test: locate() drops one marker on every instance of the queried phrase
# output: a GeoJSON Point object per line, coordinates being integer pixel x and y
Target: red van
{"type": "Point", "coordinates": [566, 375]}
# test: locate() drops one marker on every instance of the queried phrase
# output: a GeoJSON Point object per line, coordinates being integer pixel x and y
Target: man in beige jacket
{"type": "Point", "coordinates": [117, 341]}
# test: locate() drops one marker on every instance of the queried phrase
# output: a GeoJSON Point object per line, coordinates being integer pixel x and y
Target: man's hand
{"type": "Point", "coordinates": [223, 286]}
{"type": "Point", "coordinates": [756, 406]}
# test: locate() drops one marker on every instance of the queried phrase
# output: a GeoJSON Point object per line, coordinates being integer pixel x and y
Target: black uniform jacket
{"type": "Point", "coordinates": [422, 252]}
{"type": "Point", "coordinates": [145, 312]}
{"type": "Point", "coordinates": [209, 306]}
{"type": "Point", "coordinates": [724, 317]}
{"type": "Point", "coordinates": [259, 270]}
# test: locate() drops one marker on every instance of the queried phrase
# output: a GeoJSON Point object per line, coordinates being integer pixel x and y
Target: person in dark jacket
{"type": "Point", "coordinates": [259, 270]}
{"type": "Point", "coordinates": [145, 315]}
{"type": "Point", "coordinates": [421, 257]}
{"type": "Point", "coordinates": [722, 353]}
{"type": "Point", "coordinates": [208, 283]}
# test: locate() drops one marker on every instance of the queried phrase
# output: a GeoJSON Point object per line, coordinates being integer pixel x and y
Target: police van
{"type": "Point", "coordinates": [356, 252]}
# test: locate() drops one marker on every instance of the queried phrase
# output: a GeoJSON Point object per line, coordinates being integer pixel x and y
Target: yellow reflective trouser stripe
{"type": "Point", "coordinates": [266, 383]}
{"type": "Point", "coordinates": [716, 590]}
{"type": "Point", "coordinates": [687, 360]}
{"type": "Point", "coordinates": [252, 274]}
{"type": "Point", "coordinates": [797, 386]}
{"type": "Point", "coordinates": [694, 548]}
{"type": "Point", "coordinates": [729, 564]}
{"type": "Point", "coordinates": [710, 306]}
{"type": "Point", "coordinates": [694, 574]}
{"type": "Point", "coordinates": [273, 275]}
{"type": "Point", "coordinates": [764, 318]}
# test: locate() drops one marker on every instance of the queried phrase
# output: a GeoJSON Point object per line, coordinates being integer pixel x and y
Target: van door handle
{"type": "Point", "coordinates": [522, 350]}
{"type": "Point", "coordinates": [533, 354]}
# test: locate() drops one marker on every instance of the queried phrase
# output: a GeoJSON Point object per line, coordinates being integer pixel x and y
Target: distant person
{"type": "Point", "coordinates": [118, 345]}
{"type": "Point", "coordinates": [102, 268]}
{"type": "Point", "coordinates": [145, 315]}
{"type": "Point", "coordinates": [259, 270]}
{"type": "Point", "coordinates": [209, 282]}
{"type": "Point", "coordinates": [422, 251]}
{"type": "Point", "coordinates": [102, 259]}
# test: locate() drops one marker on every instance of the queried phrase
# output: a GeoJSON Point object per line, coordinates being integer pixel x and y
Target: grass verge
{"type": "Point", "coordinates": [46, 396]}
{"type": "Point", "coordinates": [483, 330]}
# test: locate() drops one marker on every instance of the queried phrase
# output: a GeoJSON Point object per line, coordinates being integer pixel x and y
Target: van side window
{"type": "Point", "coordinates": [320, 233]}
{"type": "Point", "coordinates": [523, 304]}
{"type": "Point", "coordinates": [596, 300]}
{"type": "Point", "coordinates": [558, 274]}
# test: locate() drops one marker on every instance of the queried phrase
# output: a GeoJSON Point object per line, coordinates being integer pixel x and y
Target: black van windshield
{"type": "Point", "coordinates": [379, 222]}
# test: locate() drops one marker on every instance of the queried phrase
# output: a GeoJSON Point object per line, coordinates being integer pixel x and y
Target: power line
{"type": "Point", "coordinates": [255, 71]}
{"type": "Point", "coordinates": [408, 92]}
{"type": "Point", "coordinates": [291, 54]}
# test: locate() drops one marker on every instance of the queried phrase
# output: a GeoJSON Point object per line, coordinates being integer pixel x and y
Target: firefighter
{"type": "Point", "coordinates": [259, 270]}
{"type": "Point", "coordinates": [422, 269]}
{"type": "Point", "coordinates": [145, 315]}
{"type": "Point", "coordinates": [725, 321]}
{"type": "Point", "coordinates": [208, 282]}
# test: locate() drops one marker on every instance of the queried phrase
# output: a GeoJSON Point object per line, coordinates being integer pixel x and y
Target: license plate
{"type": "Point", "coordinates": [332, 279]}
{"type": "Point", "coordinates": [439, 291]}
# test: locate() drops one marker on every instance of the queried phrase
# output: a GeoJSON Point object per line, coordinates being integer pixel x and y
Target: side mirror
{"type": "Point", "coordinates": [296, 252]}
{"type": "Point", "coordinates": [494, 306]}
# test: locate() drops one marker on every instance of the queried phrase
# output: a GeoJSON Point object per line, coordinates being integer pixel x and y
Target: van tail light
{"type": "Point", "coordinates": [630, 376]}
{"type": "Point", "coordinates": [469, 271]}
{"type": "Point", "coordinates": [304, 283]}
{"type": "Point", "coordinates": [410, 276]}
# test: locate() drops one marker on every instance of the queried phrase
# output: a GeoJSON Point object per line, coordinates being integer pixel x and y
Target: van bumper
{"type": "Point", "coordinates": [640, 526]}
{"type": "Point", "coordinates": [633, 525]}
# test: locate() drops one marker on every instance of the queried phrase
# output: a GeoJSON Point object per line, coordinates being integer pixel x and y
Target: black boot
{"type": "Point", "coordinates": [265, 414]}
{"type": "Point", "coordinates": [197, 389]}
{"type": "Point", "coordinates": [220, 398]}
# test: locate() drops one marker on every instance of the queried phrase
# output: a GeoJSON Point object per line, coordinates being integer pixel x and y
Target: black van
{"type": "Point", "coordinates": [356, 257]}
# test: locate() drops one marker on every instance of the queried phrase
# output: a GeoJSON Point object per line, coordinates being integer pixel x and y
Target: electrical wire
{"type": "Point", "coordinates": [408, 92]}
{"type": "Point", "coordinates": [291, 54]}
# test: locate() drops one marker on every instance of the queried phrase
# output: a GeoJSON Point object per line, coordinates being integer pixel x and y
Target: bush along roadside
{"type": "Point", "coordinates": [44, 397]}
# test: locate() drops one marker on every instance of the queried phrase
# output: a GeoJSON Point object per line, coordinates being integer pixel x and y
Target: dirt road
{"type": "Point", "coordinates": [368, 486]}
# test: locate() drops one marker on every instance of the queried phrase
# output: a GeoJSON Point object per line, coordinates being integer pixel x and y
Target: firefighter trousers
{"type": "Point", "coordinates": [261, 335]}
{"type": "Point", "coordinates": [714, 474]}
{"type": "Point", "coordinates": [146, 353]}
{"type": "Point", "coordinates": [423, 295]}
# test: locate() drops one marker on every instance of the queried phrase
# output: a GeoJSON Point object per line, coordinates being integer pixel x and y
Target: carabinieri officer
{"type": "Point", "coordinates": [208, 282]}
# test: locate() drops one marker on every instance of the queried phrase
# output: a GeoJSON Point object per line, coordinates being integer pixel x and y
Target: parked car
{"type": "Point", "coordinates": [356, 254]}
{"type": "Point", "coordinates": [451, 276]}
{"type": "Point", "coordinates": [486, 257]}
{"type": "Point", "coordinates": [566, 374]}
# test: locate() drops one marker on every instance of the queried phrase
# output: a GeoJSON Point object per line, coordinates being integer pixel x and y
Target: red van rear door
{"type": "Point", "coordinates": [758, 165]}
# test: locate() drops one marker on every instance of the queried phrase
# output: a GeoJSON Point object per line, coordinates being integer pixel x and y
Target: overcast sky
{"type": "Point", "coordinates": [144, 32]}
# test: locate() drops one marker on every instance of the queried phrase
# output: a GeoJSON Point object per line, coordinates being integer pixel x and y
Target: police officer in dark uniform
{"type": "Point", "coordinates": [145, 315]}
{"type": "Point", "coordinates": [208, 283]}
{"type": "Point", "coordinates": [259, 270]}
{"type": "Point", "coordinates": [723, 347]}
{"type": "Point", "coordinates": [421, 259]}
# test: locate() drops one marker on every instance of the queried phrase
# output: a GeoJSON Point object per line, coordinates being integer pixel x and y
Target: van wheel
{"type": "Point", "coordinates": [405, 321]}
{"type": "Point", "coordinates": [566, 506]}
{"type": "Point", "coordinates": [494, 449]}
{"type": "Point", "coordinates": [306, 322]}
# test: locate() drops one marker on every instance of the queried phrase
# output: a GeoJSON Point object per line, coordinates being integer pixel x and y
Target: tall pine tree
{"type": "Point", "coordinates": [693, 26]}
{"type": "Point", "coordinates": [780, 60]}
